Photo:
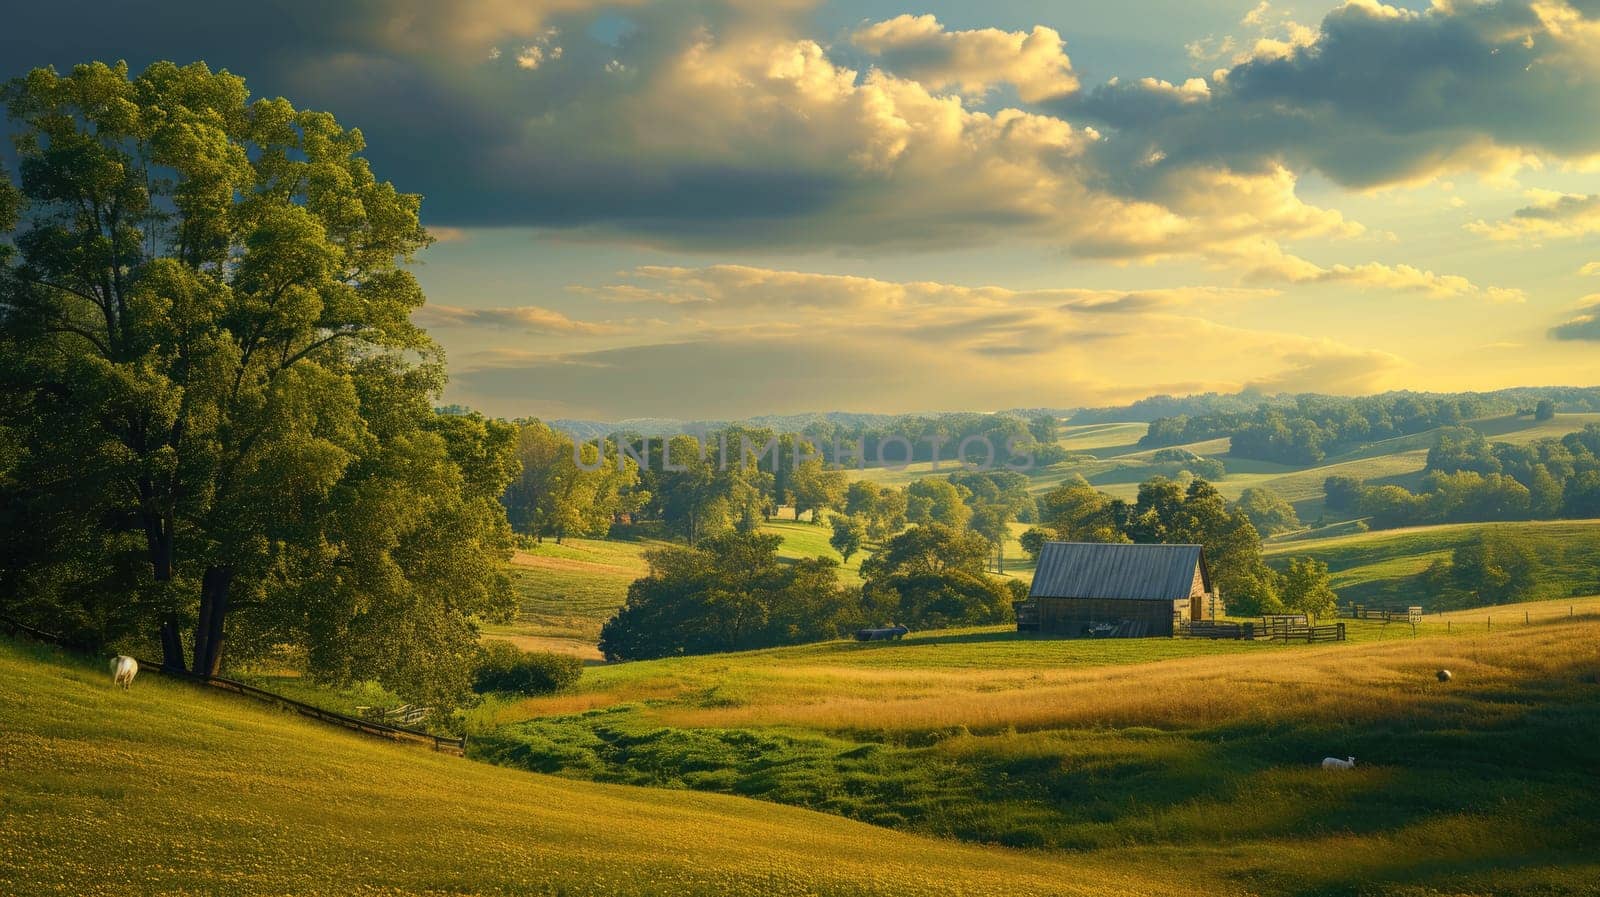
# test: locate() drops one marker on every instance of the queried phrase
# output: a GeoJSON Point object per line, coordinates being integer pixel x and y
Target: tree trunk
{"type": "Point", "coordinates": [158, 539]}
{"type": "Point", "coordinates": [208, 632]}
{"type": "Point", "coordinates": [172, 659]}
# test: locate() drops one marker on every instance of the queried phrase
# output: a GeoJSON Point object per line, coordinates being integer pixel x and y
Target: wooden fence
{"type": "Point", "coordinates": [1386, 614]}
{"type": "Point", "coordinates": [1214, 629]}
{"type": "Point", "coordinates": [443, 744]}
{"type": "Point", "coordinates": [1281, 629]}
{"type": "Point", "coordinates": [1332, 632]}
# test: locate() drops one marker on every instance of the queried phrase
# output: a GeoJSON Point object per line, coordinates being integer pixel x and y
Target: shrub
{"type": "Point", "coordinates": [503, 667]}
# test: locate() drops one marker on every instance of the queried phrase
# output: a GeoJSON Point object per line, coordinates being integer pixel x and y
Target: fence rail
{"type": "Point", "coordinates": [443, 744]}
{"type": "Point", "coordinates": [1213, 629]}
{"type": "Point", "coordinates": [1386, 614]}
{"type": "Point", "coordinates": [1332, 632]}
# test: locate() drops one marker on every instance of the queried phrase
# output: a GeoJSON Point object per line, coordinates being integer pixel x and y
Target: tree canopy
{"type": "Point", "coordinates": [934, 575]}
{"type": "Point", "coordinates": [219, 406]}
{"type": "Point", "coordinates": [728, 593]}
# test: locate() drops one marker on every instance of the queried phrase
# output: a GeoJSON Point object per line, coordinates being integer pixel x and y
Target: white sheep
{"type": "Point", "coordinates": [1336, 763]}
{"type": "Point", "coordinates": [123, 669]}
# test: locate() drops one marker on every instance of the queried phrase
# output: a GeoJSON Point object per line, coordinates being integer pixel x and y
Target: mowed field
{"type": "Point", "coordinates": [566, 592]}
{"type": "Point", "coordinates": [169, 789]}
{"type": "Point", "coordinates": [1186, 754]}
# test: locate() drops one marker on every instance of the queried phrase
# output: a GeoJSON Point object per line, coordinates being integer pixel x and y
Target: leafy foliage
{"type": "Point", "coordinates": [1306, 587]}
{"type": "Point", "coordinates": [503, 667]}
{"type": "Point", "coordinates": [931, 576]}
{"type": "Point", "coordinates": [1267, 510]}
{"type": "Point", "coordinates": [848, 533]}
{"type": "Point", "coordinates": [219, 406]}
{"type": "Point", "coordinates": [555, 495]}
{"type": "Point", "coordinates": [728, 593]}
{"type": "Point", "coordinates": [1495, 567]}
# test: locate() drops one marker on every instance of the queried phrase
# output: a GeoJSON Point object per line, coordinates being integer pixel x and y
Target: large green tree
{"type": "Point", "coordinates": [224, 408]}
{"type": "Point", "coordinates": [1269, 513]}
{"type": "Point", "coordinates": [934, 575]}
{"type": "Point", "coordinates": [816, 487]}
{"type": "Point", "coordinates": [730, 592]}
{"type": "Point", "coordinates": [555, 495]}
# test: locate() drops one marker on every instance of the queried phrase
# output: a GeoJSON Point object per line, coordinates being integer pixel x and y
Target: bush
{"type": "Point", "coordinates": [503, 667]}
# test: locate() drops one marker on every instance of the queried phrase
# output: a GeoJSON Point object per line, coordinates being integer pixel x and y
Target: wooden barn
{"type": "Point", "coordinates": [1095, 590]}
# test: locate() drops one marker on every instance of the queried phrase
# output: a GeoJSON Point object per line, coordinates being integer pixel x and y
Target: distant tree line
{"type": "Point", "coordinates": [1171, 512]}
{"type": "Point", "coordinates": [700, 494]}
{"type": "Point", "coordinates": [1468, 479]}
{"type": "Point", "coordinates": [1311, 427]}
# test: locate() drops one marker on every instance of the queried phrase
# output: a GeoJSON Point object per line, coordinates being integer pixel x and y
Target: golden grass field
{"type": "Point", "coordinates": [993, 686]}
{"type": "Point", "coordinates": [168, 789]}
{"type": "Point", "coordinates": [1186, 754]}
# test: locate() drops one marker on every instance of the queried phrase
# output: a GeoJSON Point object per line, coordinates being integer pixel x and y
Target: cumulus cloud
{"type": "Point", "coordinates": [1379, 95]}
{"type": "Point", "coordinates": [526, 318]}
{"type": "Point", "coordinates": [721, 125]}
{"type": "Point", "coordinates": [1401, 278]}
{"type": "Point", "coordinates": [1552, 215]}
{"type": "Point", "coordinates": [918, 47]}
{"type": "Point", "coordinates": [1584, 326]}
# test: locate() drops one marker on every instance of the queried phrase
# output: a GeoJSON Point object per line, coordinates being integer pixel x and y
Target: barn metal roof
{"type": "Point", "coordinates": [1099, 570]}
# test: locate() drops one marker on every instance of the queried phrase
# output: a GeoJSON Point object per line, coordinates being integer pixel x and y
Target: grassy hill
{"type": "Point", "coordinates": [1373, 567]}
{"type": "Point", "coordinates": [1188, 755]}
{"type": "Point", "coordinates": [566, 592]}
{"type": "Point", "coordinates": [169, 789]}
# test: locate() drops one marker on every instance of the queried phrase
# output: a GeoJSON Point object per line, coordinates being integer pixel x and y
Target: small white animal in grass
{"type": "Point", "coordinates": [1336, 763]}
{"type": "Point", "coordinates": [123, 669]}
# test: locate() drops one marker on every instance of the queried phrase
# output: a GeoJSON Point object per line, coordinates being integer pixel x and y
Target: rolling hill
{"type": "Point", "coordinates": [1185, 754]}
{"type": "Point", "coordinates": [168, 789]}
{"type": "Point", "coordinates": [1373, 567]}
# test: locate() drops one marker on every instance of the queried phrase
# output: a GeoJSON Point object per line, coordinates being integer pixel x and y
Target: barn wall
{"type": "Point", "coordinates": [1070, 616]}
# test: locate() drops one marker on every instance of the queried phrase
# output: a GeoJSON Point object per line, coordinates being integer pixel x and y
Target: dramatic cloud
{"type": "Point", "coordinates": [527, 318]}
{"type": "Point", "coordinates": [918, 47]}
{"type": "Point", "coordinates": [1381, 96]}
{"type": "Point", "coordinates": [724, 124]}
{"type": "Point", "coordinates": [1552, 215]}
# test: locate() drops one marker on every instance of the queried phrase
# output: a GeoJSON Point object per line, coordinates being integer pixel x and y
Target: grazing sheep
{"type": "Point", "coordinates": [1336, 763]}
{"type": "Point", "coordinates": [1444, 675]}
{"type": "Point", "coordinates": [123, 669]}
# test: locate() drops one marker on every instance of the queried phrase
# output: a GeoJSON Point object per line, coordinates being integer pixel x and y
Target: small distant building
{"type": "Point", "coordinates": [1097, 590]}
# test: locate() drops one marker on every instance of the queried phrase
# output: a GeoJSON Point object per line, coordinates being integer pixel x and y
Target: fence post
{"type": "Point", "coordinates": [1525, 619]}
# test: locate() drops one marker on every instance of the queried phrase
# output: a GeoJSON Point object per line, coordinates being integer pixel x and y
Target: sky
{"type": "Point", "coordinates": [723, 208]}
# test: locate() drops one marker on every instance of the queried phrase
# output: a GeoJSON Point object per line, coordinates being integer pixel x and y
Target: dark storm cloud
{"type": "Point", "coordinates": [1382, 96]}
